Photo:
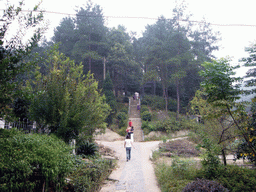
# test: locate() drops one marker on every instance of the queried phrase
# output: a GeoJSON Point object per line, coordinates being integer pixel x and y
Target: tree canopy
{"type": "Point", "coordinates": [13, 50]}
{"type": "Point", "coordinates": [65, 100]}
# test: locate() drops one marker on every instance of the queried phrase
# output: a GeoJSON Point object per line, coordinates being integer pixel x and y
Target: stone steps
{"type": "Point", "coordinates": [134, 116]}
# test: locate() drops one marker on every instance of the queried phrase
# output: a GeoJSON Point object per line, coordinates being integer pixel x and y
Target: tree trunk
{"type": "Point", "coordinates": [116, 84]}
{"type": "Point", "coordinates": [90, 60]}
{"type": "Point", "coordinates": [178, 99]}
{"type": "Point", "coordinates": [154, 87]}
{"type": "Point", "coordinates": [224, 157]}
{"type": "Point", "coordinates": [165, 94]}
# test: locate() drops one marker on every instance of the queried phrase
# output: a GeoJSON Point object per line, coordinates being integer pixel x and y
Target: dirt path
{"type": "Point", "coordinates": [136, 175]}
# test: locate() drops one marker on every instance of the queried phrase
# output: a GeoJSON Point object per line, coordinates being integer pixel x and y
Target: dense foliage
{"type": "Point", "coordinates": [88, 176]}
{"type": "Point", "coordinates": [13, 51]}
{"type": "Point", "coordinates": [188, 175]}
{"type": "Point", "coordinates": [31, 162]}
{"type": "Point", "coordinates": [65, 100]}
{"type": "Point", "coordinates": [110, 97]}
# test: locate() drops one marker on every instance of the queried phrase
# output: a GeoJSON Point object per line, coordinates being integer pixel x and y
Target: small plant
{"type": "Point", "coordinates": [87, 148]}
{"type": "Point", "coordinates": [146, 116]}
{"type": "Point", "coordinates": [204, 185]}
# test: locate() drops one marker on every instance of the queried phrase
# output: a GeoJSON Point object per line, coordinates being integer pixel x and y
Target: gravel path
{"type": "Point", "coordinates": [136, 175]}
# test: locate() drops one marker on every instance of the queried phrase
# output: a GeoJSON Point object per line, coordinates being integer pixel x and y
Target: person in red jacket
{"type": "Point", "coordinates": [130, 123]}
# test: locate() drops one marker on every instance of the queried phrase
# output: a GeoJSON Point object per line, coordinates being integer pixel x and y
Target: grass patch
{"type": "Point", "coordinates": [175, 177]}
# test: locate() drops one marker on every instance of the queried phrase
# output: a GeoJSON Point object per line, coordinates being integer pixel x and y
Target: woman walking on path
{"type": "Point", "coordinates": [128, 144]}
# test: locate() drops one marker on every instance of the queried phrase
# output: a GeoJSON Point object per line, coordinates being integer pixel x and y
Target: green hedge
{"type": "Point", "coordinates": [88, 176]}
{"type": "Point", "coordinates": [146, 116]}
{"type": "Point", "coordinates": [31, 162]}
{"type": "Point", "coordinates": [155, 102]}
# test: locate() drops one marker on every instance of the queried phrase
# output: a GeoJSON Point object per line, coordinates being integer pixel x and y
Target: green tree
{"type": "Point", "coordinates": [65, 34]}
{"type": "Point", "coordinates": [250, 62]}
{"type": "Point", "coordinates": [90, 48]}
{"type": "Point", "coordinates": [110, 97]}
{"type": "Point", "coordinates": [222, 90]}
{"type": "Point", "coordinates": [216, 127]}
{"type": "Point", "coordinates": [83, 38]}
{"type": "Point", "coordinates": [125, 72]}
{"type": "Point", "coordinates": [66, 101]}
{"type": "Point", "coordinates": [13, 51]}
{"type": "Point", "coordinates": [174, 52]}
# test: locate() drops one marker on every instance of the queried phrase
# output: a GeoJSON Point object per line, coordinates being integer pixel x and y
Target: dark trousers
{"type": "Point", "coordinates": [128, 153]}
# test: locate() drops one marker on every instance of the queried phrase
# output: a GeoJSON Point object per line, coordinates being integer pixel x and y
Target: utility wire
{"type": "Point", "coordinates": [149, 18]}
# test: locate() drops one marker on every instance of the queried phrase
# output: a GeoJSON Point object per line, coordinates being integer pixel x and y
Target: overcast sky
{"type": "Point", "coordinates": [222, 12]}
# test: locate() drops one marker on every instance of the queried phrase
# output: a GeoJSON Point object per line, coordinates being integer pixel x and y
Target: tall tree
{"type": "Point", "coordinates": [90, 48]}
{"type": "Point", "coordinates": [65, 34]}
{"type": "Point", "coordinates": [175, 51]}
{"type": "Point", "coordinates": [13, 50]}
{"type": "Point", "coordinates": [83, 38]}
{"type": "Point", "coordinates": [124, 70]}
{"type": "Point", "coordinates": [250, 62]}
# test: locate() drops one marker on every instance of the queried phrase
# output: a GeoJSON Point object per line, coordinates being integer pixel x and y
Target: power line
{"type": "Point", "coordinates": [149, 18]}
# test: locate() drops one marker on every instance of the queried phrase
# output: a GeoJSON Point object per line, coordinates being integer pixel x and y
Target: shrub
{"type": "Point", "coordinates": [89, 175]}
{"type": "Point", "coordinates": [170, 125]}
{"type": "Point", "coordinates": [144, 102]}
{"type": "Point", "coordinates": [143, 108]}
{"type": "Point", "coordinates": [122, 131]}
{"type": "Point", "coordinates": [126, 100]}
{"type": "Point", "coordinates": [204, 185]}
{"type": "Point", "coordinates": [146, 116]}
{"type": "Point", "coordinates": [237, 179]}
{"type": "Point", "coordinates": [31, 162]}
{"type": "Point", "coordinates": [87, 148]}
{"type": "Point", "coordinates": [147, 125]}
{"type": "Point", "coordinates": [155, 102]}
{"type": "Point", "coordinates": [172, 105]}
{"type": "Point", "coordinates": [124, 109]}
{"type": "Point", "coordinates": [122, 119]}
{"type": "Point", "coordinates": [211, 161]}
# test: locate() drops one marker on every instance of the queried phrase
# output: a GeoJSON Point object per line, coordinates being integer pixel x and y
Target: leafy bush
{"type": "Point", "coordinates": [122, 131]}
{"type": "Point", "coordinates": [122, 119]}
{"type": "Point", "coordinates": [89, 175]}
{"type": "Point", "coordinates": [172, 105]}
{"type": "Point", "coordinates": [211, 161]}
{"type": "Point", "coordinates": [124, 109]}
{"type": "Point", "coordinates": [147, 125]}
{"type": "Point", "coordinates": [204, 185]}
{"type": "Point", "coordinates": [155, 102]}
{"type": "Point", "coordinates": [126, 99]}
{"type": "Point", "coordinates": [87, 148]}
{"type": "Point", "coordinates": [237, 179]}
{"type": "Point", "coordinates": [31, 162]}
{"type": "Point", "coordinates": [146, 116]}
{"type": "Point", "coordinates": [143, 108]}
